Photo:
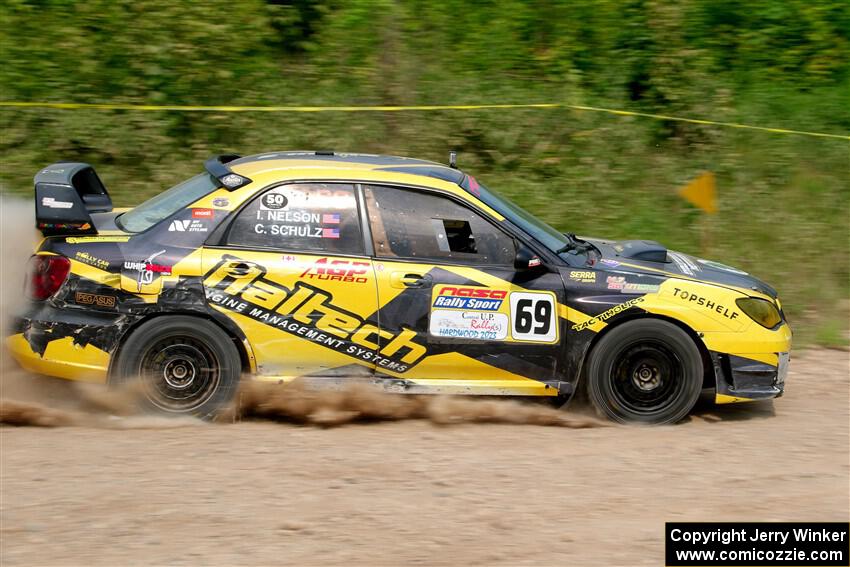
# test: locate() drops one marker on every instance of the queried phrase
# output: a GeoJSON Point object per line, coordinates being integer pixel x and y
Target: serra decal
{"type": "Point", "coordinates": [583, 276]}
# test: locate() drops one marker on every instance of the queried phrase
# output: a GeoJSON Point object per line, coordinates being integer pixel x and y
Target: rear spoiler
{"type": "Point", "coordinates": [66, 194]}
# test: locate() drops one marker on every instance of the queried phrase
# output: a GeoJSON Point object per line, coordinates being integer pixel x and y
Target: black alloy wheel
{"type": "Point", "coordinates": [645, 371]}
{"type": "Point", "coordinates": [186, 365]}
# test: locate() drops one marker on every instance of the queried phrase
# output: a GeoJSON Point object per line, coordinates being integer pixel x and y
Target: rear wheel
{"type": "Point", "coordinates": [645, 371]}
{"type": "Point", "coordinates": [186, 365]}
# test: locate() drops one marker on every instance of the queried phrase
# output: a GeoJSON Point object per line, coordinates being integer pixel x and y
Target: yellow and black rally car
{"type": "Point", "coordinates": [404, 273]}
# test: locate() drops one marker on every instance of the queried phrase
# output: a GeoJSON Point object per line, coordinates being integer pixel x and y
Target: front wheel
{"type": "Point", "coordinates": [645, 371]}
{"type": "Point", "coordinates": [186, 365]}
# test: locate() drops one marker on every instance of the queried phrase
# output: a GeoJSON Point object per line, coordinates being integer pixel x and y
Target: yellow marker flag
{"type": "Point", "coordinates": [701, 193]}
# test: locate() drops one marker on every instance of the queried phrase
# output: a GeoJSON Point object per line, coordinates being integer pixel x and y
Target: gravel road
{"type": "Point", "coordinates": [148, 492]}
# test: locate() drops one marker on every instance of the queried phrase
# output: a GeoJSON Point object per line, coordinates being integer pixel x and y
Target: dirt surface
{"type": "Point", "coordinates": [153, 492]}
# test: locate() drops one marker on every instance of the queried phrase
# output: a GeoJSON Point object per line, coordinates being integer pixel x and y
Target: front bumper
{"type": "Point", "coordinates": [742, 379]}
{"type": "Point", "coordinates": [65, 343]}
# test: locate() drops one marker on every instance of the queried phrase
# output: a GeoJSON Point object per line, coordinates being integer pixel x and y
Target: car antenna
{"type": "Point", "coordinates": [453, 159]}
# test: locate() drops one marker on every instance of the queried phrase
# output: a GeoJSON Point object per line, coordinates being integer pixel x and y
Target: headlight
{"type": "Point", "coordinates": [761, 311]}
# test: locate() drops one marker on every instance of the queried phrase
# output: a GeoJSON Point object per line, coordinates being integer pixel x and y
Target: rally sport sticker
{"type": "Point", "coordinates": [481, 313]}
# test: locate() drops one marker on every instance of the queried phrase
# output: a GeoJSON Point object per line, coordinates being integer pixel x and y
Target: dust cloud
{"type": "Point", "coordinates": [13, 412]}
{"type": "Point", "coordinates": [298, 403]}
{"type": "Point", "coordinates": [294, 403]}
{"type": "Point", "coordinates": [18, 238]}
{"type": "Point", "coordinates": [30, 400]}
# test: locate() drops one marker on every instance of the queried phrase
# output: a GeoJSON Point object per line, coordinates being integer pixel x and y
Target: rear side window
{"type": "Point", "coordinates": [410, 224]}
{"type": "Point", "coordinates": [320, 217]}
{"type": "Point", "coordinates": [166, 204]}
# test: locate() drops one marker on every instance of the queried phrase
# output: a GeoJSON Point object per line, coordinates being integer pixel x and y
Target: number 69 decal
{"type": "Point", "coordinates": [533, 317]}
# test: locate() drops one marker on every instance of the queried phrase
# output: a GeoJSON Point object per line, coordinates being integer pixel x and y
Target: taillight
{"type": "Point", "coordinates": [45, 275]}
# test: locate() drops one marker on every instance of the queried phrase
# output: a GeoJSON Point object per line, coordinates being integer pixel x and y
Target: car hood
{"type": "Point", "coordinates": [646, 256]}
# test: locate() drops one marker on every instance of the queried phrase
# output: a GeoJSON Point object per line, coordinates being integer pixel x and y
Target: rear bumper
{"type": "Point", "coordinates": [742, 379]}
{"type": "Point", "coordinates": [65, 343]}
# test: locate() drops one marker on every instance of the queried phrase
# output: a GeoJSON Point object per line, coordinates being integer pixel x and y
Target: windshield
{"type": "Point", "coordinates": [166, 204]}
{"type": "Point", "coordinates": [545, 234]}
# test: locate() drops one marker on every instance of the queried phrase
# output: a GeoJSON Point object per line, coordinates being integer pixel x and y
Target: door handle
{"type": "Point", "coordinates": [239, 268]}
{"type": "Point", "coordinates": [412, 280]}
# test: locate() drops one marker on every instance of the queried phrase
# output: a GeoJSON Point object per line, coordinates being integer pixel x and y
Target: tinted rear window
{"type": "Point", "coordinates": [166, 204]}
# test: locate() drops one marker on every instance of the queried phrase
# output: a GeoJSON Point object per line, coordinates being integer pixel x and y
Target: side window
{"type": "Point", "coordinates": [409, 224]}
{"type": "Point", "coordinates": [305, 216]}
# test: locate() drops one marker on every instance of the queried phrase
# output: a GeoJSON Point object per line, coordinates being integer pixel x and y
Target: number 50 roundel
{"type": "Point", "coordinates": [533, 317]}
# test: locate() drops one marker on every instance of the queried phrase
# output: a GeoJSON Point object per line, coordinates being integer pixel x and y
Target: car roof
{"type": "Point", "coordinates": [375, 162]}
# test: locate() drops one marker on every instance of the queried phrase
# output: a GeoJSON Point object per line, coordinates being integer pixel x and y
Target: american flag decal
{"type": "Point", "coordinates": [330, 233]}
{"type": "Point", "coordinates": [330, 218]}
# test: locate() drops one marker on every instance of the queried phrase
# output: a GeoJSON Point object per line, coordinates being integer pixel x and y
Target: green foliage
{"type": "Point", "coordinates": [785, 200]}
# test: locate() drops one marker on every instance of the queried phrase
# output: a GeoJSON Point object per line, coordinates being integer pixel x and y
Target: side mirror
{"type": "Point", "coordinates": [525, 259]}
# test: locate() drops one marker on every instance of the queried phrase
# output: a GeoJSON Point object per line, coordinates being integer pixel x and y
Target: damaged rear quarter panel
{"type": "Point", "coordinates": [107, 292]}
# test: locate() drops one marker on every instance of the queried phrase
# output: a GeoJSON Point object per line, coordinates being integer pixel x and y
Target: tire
{"type": "Point", "coordinates": [645, 371]}
{"type": "Point", "coordinates": [186, 365]}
